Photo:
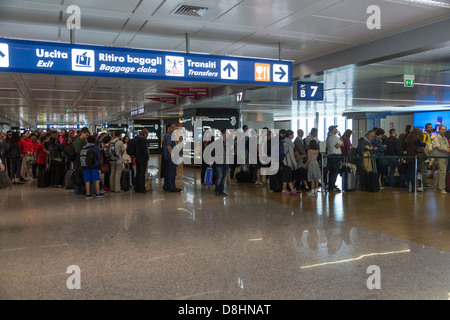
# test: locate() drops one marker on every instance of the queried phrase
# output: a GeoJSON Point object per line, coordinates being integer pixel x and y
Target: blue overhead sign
{"type": "Point", "coordinates": [309, 91]}
{"type": "Point", "coordinates": [66, 59]}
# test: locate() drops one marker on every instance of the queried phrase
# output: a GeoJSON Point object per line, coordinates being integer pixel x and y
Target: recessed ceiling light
{"type": "Point", "coordinates": [431, 3]}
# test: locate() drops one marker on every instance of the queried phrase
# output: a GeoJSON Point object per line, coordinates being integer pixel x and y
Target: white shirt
{"type": "Point", "coordinates": [442, 142]}
{"type": "Point", "coordinates": [332, 141]}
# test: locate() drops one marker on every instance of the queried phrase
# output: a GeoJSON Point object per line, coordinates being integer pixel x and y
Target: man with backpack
{"type": "Point", "coordinates": [90, 161]}
{"type": "Point", "coordinates": [115, 152]}
{"type": "Point", "coordinates": [78, 143]}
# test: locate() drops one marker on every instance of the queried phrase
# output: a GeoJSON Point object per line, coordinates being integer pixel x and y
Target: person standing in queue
{"type": "Point", "coordinates": [334, 151]}
{"type": "Point", "coordinates": [221, 167]}
{"type": "Point", "coordinates": [116, 151]}
{"type": "Point", "coordinates": [441, 149]}
{"type": "Point", "coordinates": [170, 169]}
{"type": "Point", "coordinates": [142, 155]}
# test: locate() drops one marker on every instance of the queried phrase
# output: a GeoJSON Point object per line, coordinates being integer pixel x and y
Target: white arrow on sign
{"type": "Point", "coordinates": [280, 73]}
{"type": "Point", "coordinates": [229, 69]}
{"type": "Point", "coordinates": [4, 55]}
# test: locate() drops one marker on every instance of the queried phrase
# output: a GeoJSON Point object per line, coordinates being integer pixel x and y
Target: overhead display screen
{"type": "Point", "coordinates": [68, 59]}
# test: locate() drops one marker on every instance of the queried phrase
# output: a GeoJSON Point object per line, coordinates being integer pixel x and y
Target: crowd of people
{"type": "Point", "coordinates": [307, 163]}
{"type": "Point", "coordinates": [91, 164]}
{"type": "Point", "coordinates": [96, 164]}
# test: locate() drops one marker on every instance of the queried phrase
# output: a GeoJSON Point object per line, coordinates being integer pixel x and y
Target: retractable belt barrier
{"type": "Point", "coordinates": [416, 158]}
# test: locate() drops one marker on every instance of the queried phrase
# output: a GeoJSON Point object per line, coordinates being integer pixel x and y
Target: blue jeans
{"type": "Point", "coordinates": [393, 163]}
{"type": "Point", "coordinates": [333, 165]}
{"type": "Point", "coordinates": [169, 176]}
{"type": "Point", "coordinates": [222, 170]}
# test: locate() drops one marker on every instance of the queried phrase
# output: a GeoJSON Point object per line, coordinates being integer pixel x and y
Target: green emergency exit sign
{"type": "Point", "coordinates": [409, 82]}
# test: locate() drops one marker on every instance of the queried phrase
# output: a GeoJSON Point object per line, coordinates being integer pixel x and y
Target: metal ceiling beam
{"type": "Point", "coordinates": [430, 36]}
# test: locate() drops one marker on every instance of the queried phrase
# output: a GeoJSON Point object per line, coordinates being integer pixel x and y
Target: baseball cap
{"type": "Point", "coordinates": [331, 128]}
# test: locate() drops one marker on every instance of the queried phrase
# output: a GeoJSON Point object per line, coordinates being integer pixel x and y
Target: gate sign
{"type": "Point", "coordinates": [22, 56]}
{"type": "Point", "coordinates": [309, 91]}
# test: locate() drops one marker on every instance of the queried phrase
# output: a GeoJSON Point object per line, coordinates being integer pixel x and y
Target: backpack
{"type": "Point", "coordinates": [131, 147]}
{"type": "Point", "coordinates": [111, 152]}
{"type": "Point", "coordinates": [281, 148]}
{"type": "Point", "coordinates": [87, 159]}
{"type": "Point", "coordinates": [69, 153]}
{"type": "Point", "coordinates": [14, 152]}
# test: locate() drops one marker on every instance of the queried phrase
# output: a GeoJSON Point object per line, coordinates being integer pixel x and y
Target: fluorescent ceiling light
{"type": "Point", "coordinates": [422, 84]}
{"type": "Point", "coordinates": [431, 3]}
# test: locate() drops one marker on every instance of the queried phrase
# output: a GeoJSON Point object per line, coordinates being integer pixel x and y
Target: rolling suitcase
{"type": "Point", "coordinates": [349, 181]}
{"type": "Point", "coordinates": [243, 176]}
{"type": "Point", "coordinates": [276, 181]}
{"type": "Point", "coordinates": [43, 180]}
{"type": "Point", "coordinates": [373, 183]}
{"type": "Point", "coordinates": [125, 180]}
{"type": "Point", "coordinates": [68, 181]}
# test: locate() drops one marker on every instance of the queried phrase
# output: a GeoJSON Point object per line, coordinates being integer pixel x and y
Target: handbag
{"type": "Point", "coordinates": [208, 176]}
{"type": "Point", "coordinates": [104, 168]}
{"type": "Point", "coordinates": [5, 180]}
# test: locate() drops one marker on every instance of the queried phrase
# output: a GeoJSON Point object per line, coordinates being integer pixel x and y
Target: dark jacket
{"type": "Point", "coordinates": [141, 152]}
{"type": "Point", "coordinates": [394, 147]}
{"type": "Point", "coordinates": [363, 144]}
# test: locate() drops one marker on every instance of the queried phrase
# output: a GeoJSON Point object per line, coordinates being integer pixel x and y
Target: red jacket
{"type": "Point", "coordinates": [26, 146]}
{"type": "Point", "coordinates": [41, 154]}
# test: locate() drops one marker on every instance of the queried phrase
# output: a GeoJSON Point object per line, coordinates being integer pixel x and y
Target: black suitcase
{"type": "Point", "coordinates": [373, 184]}
{"type": "Point", "coordinates": [276, 181]}
{"type": "Point", "coordinates": [43, 180]}
{"type": "Point", "coordinates": [68, 181]}
{"type": "Point", "coordinates": [242, 176]}
{"type": "Point", "coordinates": [125, 180]}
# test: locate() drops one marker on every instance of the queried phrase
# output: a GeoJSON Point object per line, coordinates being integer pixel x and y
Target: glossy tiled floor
{"type": "Point", "coordinates": [252, 244]}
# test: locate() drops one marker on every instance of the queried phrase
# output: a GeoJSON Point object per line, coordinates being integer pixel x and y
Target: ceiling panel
{"type": "Point", "coordinates": [318, 25]}
{"type": "Point", "coordinates": [29, 17]}
{"type": "Point", "coordinates": [256, 51]}
{"type": "Point", "coordinates": [167, 43]}
{"type": "Point", "coordinates": [282, 5]}
{"type": "Point", "coordinates": [258, 17]}
{"type": "Point", "coordinates": [28, 31]}
{"type": "Point", "coordinates": [113, 5]}
{"type": "Point", "coordinates": [90, 37]}
{"type": "Point", "coordinates": [227, 36]}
